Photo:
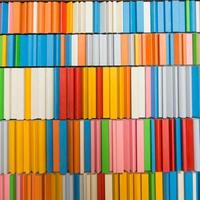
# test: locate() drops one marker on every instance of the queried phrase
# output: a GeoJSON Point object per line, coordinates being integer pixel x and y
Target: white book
{"type": "Point", "coordinates": [147, 17]}
{"type": "Point", "coordinates": [103, 19]}
{"type": "Point", "coordinates": [5, 145]}
{"type": "Point", "coordinates": [108, 187]}
{"type": "Point", "coordinates": [35, 16]}
{"type": "Point", "coordinates": [1, 147]}
{"type": "Point", "coordinates": [110, 42]}
{"type": "Point", "coordinates": [74, 50]}
{"type": "Point", "coordinates": [88, 191]}
{"type": "Point", "coordinates": [76, 21]}
{"type": "Point", "coordinates": [7, 93]}
{"type": "Point", "coordinates": [41, 93]}
{"type": "Point", "coordinates": [88, 17]}
{"type": "Point", "coordinates": [49, 93]}
{"type": "Point", "coordinates": [109, 16]}
{"type": "Point", "coordinates": [131, 50]}
{"type": "Point", "coordinates": [67, 183]}
{"type": "Point", "coordinates": [20, 93]}
{"type": "Point", "coordinates": [188, 91]}
{"type": "Point", "coordinates": [96, 48]}
{"type": "Point", "coordinates": [119, 15]}
{"type": "Point", "coordinates": [85, 186]}
{"type": "Point", "coordinates": [162, 95]}
{"type": "Point", "coordinates": [117, 49]}
{"type": "Point", "coordinates": [103, 49]}
{"type": "Point", "coordinates": [175, 91]}
{"type": "Point", "coordinates": [82, 14]}
{"type": "Point", "coordinates": [81, 187]}
{"type": "Point", "coordinates": [34, 93]}
{"type": "Point", "coordinates": [82, 167]}
{"type": "Point", "coordinates": [93, 186]}
{"type": "Point", "coordinates": [181, 186]}
{"type": "Point", "coordinates": [141, 91]}
{"type": "Point", "coordinates": [89, 49]}
{"type": "Point", "coordinates": [182, 91]}
{"type": "Point", "coordinates": [196, 144]}
{"type": "Point", "coordinates": [114, 6]}
{"type": "Point", "coordinates": [71, 187]}
{"type": "Point", "coordinates": [64, 192]}
{"type": "Point", "coordinates": [194, 184]}
{"type": "Point", "coordinates": [197, 16]}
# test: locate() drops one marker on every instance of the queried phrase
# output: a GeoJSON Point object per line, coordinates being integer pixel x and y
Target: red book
{"type": "Point", "coordinates": [63, 93]}
{"type": "Point", "coordinates": [158, 139]}
{"type": "Point", "coordinates": [165, 146]}
{"type": "Point", "coordinates": [172, 144]}
{"type": "Point", "coordinates": [78, 93]}
{"type": "Point", "coordinates": [101, 186]}
{"type": "Point", "coordinates": [99, 90]}
{"type": "Point", "coordinates": [70, 92]}
{"type": "Point", "coordinates": [63, 17]}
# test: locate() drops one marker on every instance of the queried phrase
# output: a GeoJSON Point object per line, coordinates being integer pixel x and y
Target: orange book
{"type": "Point", "coordinates": [16, 17]}
{"type": "Point", "coordinates": [24, 17]}
{"type": "Point", "coordinates": [58, 187]}
{"type": "Point", "coordinates": [63, 8]}
{"type": "Point", "coordinates": [69, 17]}
{"type": "Point", "coordinates": [155, 49]}
{"type": "Point", "coordinates": [37, 187]}
{"type": "Point", "coordinates": [30, 17]}
{"type": "Point", "coordinates": [41, 17]}
{"type": "Point", "coordinates": [127, 92]}
{"type": "Point", "coordinates": [124, 49]}
{"type": "Point", "coordinates": [138, 49]}
{"type": "Point", "coordinates": [162, 49]}
{"type": "Point", "coordinates": [70, 145]}
{"type": "Point", "coordinates": [56, 152]}
{"type": "Point", "coordinates": [77, 146]}
{"type": "Point", "coordinates": [24, 187]}
{"type": "Point", "coordinates": [178, 49]}
{"type": "Point", "coordinates": [62, 51]}
{"type": "Point", "coordinates": [184, 46]}
{"type": "Point", "coordinates": [143, 50]}
{"type": "Point", "coordinates": [47, 24]}
{"type": "Point", "coordinates": [149, 49]}
{"type": "Point", "coordinates": [47, 187]}
{"type": "Point", "coordinates": [55, 17]}
{"type": "Point", "coordinates": [81, 49]}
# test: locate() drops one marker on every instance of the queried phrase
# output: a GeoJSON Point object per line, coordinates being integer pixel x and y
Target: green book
{"type": "Point", "coordinates": [147, 144]}
{"type": "Point", "coordinates": [17, 50]}
{"type": "Point", "coordinates": [12, 187]}
{"type": "Point", "coordinates": [195, 50]}
{"type": "Point", "coordinates": [1, 93]}
{"type": "Point", "coordinates": [105, 146]}
{"type": "Point", "coordinates": [187, 15]}
{"type": "Point", "coordinates": [152, 195]}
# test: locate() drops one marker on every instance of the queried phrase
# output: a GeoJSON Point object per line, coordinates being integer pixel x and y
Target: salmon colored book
{"type": "Point", "coordinates": [56, 151]}
{"type": "Point", "coordinates": [162, 49]}
{"type": "Point", "coordinates": [99, 90]}
{"type": "Point", "coordinates": [149, 49]}
{"type": "Point", "coordinates": [30, 17]}
{"type": "Point", "coordinates": [178, 57]}
{"type": "Point", "coordinates": [158, 147]}
{"type": "Point", "coordinates": [127, 92]}
{"type": "Point", "coordinates": [16, 17]}
{"type": "Point", "coordinates": [82, 50]}
{"type": "Point", "coordinates": [70, 145]}
{"type": "Point", "coordinates": [124, 49]}
{"type": "Point", "coordinates": [47, 16]}
{"type": "Point", "coordinates": [41, 17]}
{"type": "Point", "coordinates": [76, 146]}
{"type": "Point", "coordinates": [62, 50]}
{"type": "Point", "coordinates": [155, 48]}
{"type": "Point", "coordinates": [55, 17]}
{"type": "Point", "coordinates": [24, 17]}
{"type": "Point", "coordinates": [47, 187]}
{"type": "Point", "coordinates": [63, 8]}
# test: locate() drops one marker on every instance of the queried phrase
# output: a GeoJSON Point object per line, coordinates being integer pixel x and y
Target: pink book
{"type": "Point", "coordinates": [111, 144]}
{"type": "Point", "coordinates": [120, 146]}
{"type": "Point", "coordinates": [19, 188]}
{"type": "Point", "coordinates": [148, 91]}
{"type": "Point", "coordinates": [140, 145]}
{"type": "Point", "coordinates": [133, 145]}
{"type": "Point", "coordinates": [114, 139]}
{"type": "Point", "coordinates": [6, 187]}
{"type": "Point", "coordinates": [98, 146]}
{"type": "Point", "coordinates": [1, 186]}
{"type": "Point", "coordinates": [93, 146]}
{"type": "Point", "coordinates": [189, 49]}
{"type": "Point", "coordinates": [127, 145]}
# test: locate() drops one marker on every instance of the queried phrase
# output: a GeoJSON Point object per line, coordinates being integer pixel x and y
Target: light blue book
{"type": "Point", "coordinates": [139, 16]}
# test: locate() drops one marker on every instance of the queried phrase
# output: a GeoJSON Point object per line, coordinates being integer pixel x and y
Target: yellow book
{"type": "Point", "coordinates": [145, 186]}
{"type": "Point", "coordinates": [69, 17]}
{"type": "Point", "coordinates": [106, 92]}
{"type": "Point", "coordinates": [4, 50]}
{"type": "Point", "coordinates": [53, 187]}
{"type": "Point", "coordinates": [137, 186]}
{"type": "Point", "coordinates": [121, 72]}
{"type": "Point", "coordinates": [138, 49]}
{"type": "Point", "coordinates": [27, 141]}
{"type": "Point", "coordinates": [11, 147]}
{"type": "Point", "coordinates": [85, 93]}
{"type": "Point", "coordinates": [159, 183]}
{"type": "Point", "coordinates": [123, 186]}
{"type": "Point", "coordinates": [27, 89]}
{"type": "Point", "coordinates": [34, 146]}
{"type": "Point", "coordinates": [42, 145]}
{"type": "Point", "coordinates": [116, 187]}
{"type": "Point", "coordinates": [91, 92]}
{"type": "Point", "coordinates": [130, 186]}
{"type": "Point", "coordinates": [58, 187]}
{"type": "Point", "coordinates": [114, 93]}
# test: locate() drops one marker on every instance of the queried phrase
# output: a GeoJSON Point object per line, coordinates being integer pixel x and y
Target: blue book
{"type": "Point", "coordinates": [96, 17]}
{"type": "Point", "coordinates": [153, 12]}
{"type": "Point", "coordinates": [56, 92]}
{"type": "Point", "coordinates": [76, 187]}
{"type": "Point", "coordinates": [50, 50]}
{"type": "Point", "coordinates": [178, 145]}
{"type": "Point", "coordinates": [30, 50]}
{"type": "Point", "coordinates": [57, 50]}
{"type": "Point", "coordinates": [182, 16]}
{"type": "Point", "coordinates": [42, 51]}
{"type": "Point", "coordinates": [34, 50]}
{"type": "Point", "coordinates": [175, 16]}
{"type": "Point", "coordinates": [139, 16]}
{"type": "Point", "coordinates": [168, 16]}
{"type": "Point", "coordinates": [153, 160]}
{"type": "Point", "coordinates": [160, 16]}
{"type": "Point", "coordinates": [63, 147]}
{"type": "Point", "coordinates": [10, 50]}
{"type": "Point", "coordinates": [171, 48]}
{"type": "Point", "coordinates": [23, 50]}
{"type": "Point", "coordinates": [188, 185]}
{"type": "Point", "coordinates": [166, 186]}
{"type": "Point", "coordinates": [192, 15]}
{"type": "Point", "coordinates": [87, 145]}
{"type": "Point", "coordinates": [126, 17]}
{"type": "Point", "coordinates": [154, 91]}
{"type": "Point", "coordinates": [198, 184]}
{"type": "Point", "coordinates": [4, 18]}
{"type": "Point", "coordinates": [195, 92]}
{"type": "Point", "coordinates": [173, 195]}
{"type": "Point", "coordinates": [68, 53]}
{"type": "Point", "coordinates": [49, 145]}
{"type": "Point", "coordinates": [132, 13]}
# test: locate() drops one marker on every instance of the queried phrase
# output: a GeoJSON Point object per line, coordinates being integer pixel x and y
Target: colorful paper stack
{"type": "Point", "coordinates": [100, 100]}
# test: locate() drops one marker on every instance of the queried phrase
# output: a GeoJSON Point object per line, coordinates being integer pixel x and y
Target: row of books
{"type": "Point", "coordinates": [106, 16]}
{"type": "Point", "coordinates": [99, 49]}
{"type": "Point", "coordinates": [95, 146]}
{"type": "Point", "coordinates": [89, 92]}
{"type": "Point", "coordinates": [126, 186]}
